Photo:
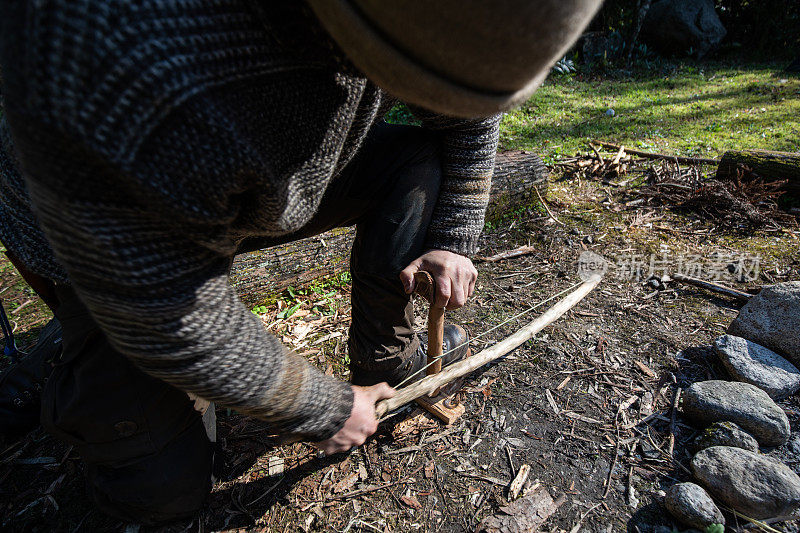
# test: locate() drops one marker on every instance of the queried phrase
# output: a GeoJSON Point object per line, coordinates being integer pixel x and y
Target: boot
{"type": "Point", "coordinates": [21, 384]}
{"type": "Point", "coordinates": [411, 370]}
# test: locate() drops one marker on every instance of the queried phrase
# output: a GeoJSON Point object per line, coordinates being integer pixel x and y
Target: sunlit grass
{"type": "Point", "coordinates": [687, 110]}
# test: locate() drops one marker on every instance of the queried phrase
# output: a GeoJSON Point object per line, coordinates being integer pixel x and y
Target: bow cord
{"type": "Point", "coordinates": [501, 324]}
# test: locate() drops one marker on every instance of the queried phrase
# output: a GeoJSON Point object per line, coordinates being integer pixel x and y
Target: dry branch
{"type": "Point", "coordinates": [516, 252]}
{"type": "Point", "coordinates": [649, 155]}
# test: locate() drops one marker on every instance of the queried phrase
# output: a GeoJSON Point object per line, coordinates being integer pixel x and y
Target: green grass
{"type": "Point", "coordinates": [692, 109]}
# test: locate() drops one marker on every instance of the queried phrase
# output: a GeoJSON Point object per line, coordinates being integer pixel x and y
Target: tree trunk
{"type": "Point", "coordinates": [641, 13]}
{"type": "Point", "coordinates": [771, 166]}
{"type": "Point", "coordinates": [258, 274]}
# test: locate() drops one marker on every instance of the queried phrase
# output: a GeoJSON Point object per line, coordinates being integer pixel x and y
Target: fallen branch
{"type": "Point", "coordinates": [649, 155]}
{"type": "Point", "coordinates": [713, 287]}
{"type": "Point", "coordinates": [430, 383]}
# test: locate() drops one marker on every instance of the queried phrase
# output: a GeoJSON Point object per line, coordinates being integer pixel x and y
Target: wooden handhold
{"type": "Point", "coordinates": [438, 407]}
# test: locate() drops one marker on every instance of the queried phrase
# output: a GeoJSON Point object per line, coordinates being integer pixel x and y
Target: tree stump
{"type": "Point", "coordinates": [772, 166]}
{"type": "Point", "coordinates": [262, 273]}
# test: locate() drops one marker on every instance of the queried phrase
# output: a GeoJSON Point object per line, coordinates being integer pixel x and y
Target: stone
{"type": "Point", "coordinates": [772, 319]}
{"type": "Point", "coordinates": [746, 405]}
{"type": "Point", "coordinates": [679, 27]}
{"type": "Point", "coordinates": [749, 482]}
{"type": "Point", "coordinates": [725, 434]}
{"type": "Point", "coordinates": [692, 505]}
{"type": "Point", "coordinates": [752, 363]}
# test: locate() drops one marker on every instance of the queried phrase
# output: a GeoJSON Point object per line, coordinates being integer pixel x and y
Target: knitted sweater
{"type": "Point", "coordinates": [145, 139]}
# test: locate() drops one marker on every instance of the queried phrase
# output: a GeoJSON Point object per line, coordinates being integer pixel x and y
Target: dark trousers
{"type": "Point", "coordinates": [388, 192]}
{"type": "Point", "coordinates": [147, 449]}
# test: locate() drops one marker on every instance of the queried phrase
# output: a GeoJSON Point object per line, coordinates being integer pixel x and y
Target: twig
{"type": "Point", "coordinates": [367, 490]}
{"type": "Point", "coordinates": [758, 523]}
{"type": "Point", "coordinates": [510, 461]}
{"type": "Point", "coordinates": [673, 414]}
{"type": "Point", "coordinates": [597, 152]}
{"type": "Point", "coordinates": [547, 208]}
{"type": "Point", "coordinates": [611, 471]}
{"type": "Point", "coordinates": [488, 479]}
{"type": "Point", "coordinates": [577, 526]}
{"type": "Point", "coordinates": [619, 155]}
{"type": "Point", "coordinates": [508, 254]}
{"type": "Point", "coordinates": [630, 494]}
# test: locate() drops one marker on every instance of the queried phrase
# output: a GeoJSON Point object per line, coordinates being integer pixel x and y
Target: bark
{"type": "Point", "coordinates": [644, 7]}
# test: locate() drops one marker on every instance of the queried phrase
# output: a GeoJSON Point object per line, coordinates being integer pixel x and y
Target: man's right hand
{"type": "Point", "coordinates": [362, 422]}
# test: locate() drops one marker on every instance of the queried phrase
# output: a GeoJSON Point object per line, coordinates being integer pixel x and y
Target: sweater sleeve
{"type": "Point", "coordinates": [468, 153]}
{"type": "Point", "coordinates": [162, 296]}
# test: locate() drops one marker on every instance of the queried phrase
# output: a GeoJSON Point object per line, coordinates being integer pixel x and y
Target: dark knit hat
{"type": "Point", "coordinates": [464, 58]}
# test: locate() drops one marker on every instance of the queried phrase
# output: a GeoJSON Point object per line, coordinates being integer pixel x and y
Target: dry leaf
{"type": "Point", "coordinates": [411, 501]}
{"type": "Point", "coordinates": [347, 483]}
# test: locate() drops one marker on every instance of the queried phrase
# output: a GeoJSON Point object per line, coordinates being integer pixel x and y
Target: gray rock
{"type": "Point", "coordinates": [683, 27]}
{"type": "Point", "coordinates": [692, 505]}
{"type": "Point", "coordinates": [772, 319]}
{"type": "Point", "coordinates": [752, 363]}
{"type": "Point", "coordinates": [746, 405]}
{"type": "Point", "coordinates": [725, 434]}
{"type": "Point", "coordinates": [750, 483]}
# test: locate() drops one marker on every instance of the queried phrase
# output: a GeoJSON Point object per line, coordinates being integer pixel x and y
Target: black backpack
{"type": "Point", "coordinates": [22, 382]}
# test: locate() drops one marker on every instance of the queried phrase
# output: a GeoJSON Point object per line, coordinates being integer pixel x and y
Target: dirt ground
{"type": "Point", "coordinates": [587, 404]}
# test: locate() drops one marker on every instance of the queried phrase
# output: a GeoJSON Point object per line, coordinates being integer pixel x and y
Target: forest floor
{"type": "Point", "coordinates": [587, 404]}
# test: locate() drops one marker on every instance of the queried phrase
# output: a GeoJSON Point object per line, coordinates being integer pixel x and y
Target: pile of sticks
{"type": "Point", "coordinates": [742, 199]}
{"type": "Point", "coordinates": [746, 200]}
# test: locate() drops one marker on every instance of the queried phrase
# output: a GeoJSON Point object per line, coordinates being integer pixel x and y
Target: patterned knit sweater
{"type": "Point", "coordinates": [143, 140]}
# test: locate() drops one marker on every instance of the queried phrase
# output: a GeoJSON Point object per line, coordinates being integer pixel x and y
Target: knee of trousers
{"type": "Point", "coordinates": [148, 456]}
{"type": "Point", "coordinates": [394, 234]}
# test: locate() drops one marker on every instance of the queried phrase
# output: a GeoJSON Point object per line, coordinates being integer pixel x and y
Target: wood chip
{"type": "Point", "coordinates": [626, 404]}
{"type": "Point", "coordinates": [564, 383]}
{"type": "Point", "coordinates": [645, 369]}
{"type": "Point", "coordinates": [552, 401]}
{"type": "Point", "coordinates": [516, 485]}
{"type": "Point", "coordinates": [275, 466]}
{"type": "Point", "coordinates": [524, 514]}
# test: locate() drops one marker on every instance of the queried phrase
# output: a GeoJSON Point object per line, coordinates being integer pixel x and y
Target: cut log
{"type": "Point", "coordinates": [262, 273]}
{"type": "Point", "coordinates": [769, 165]}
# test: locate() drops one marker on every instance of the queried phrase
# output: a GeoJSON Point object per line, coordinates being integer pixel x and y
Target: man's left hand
{"type": "Point", "coordinates": [453, 274]}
